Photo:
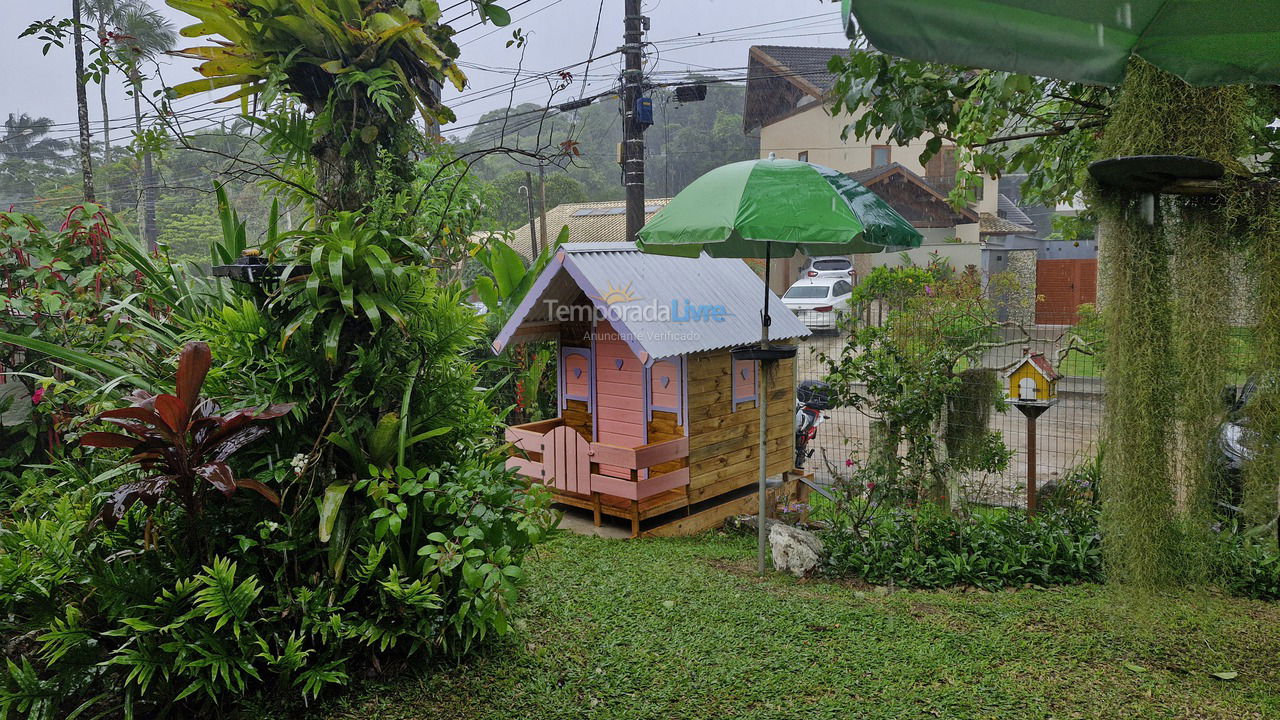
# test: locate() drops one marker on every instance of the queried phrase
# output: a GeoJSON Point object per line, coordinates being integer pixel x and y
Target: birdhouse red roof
{"type": "Point", "coordinates": [1038, 361]}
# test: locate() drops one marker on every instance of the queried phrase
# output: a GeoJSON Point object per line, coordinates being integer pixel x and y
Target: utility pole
{"type": "Point", "coordinates": [632, 129]}
{"type": "Point", "coordinates": [533, 228]}
{"type": "Point", "coordinates": [542, 205]}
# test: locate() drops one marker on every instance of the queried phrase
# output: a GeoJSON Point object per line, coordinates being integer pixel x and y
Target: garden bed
{"type": "Point", "coordinates": [682, 628]}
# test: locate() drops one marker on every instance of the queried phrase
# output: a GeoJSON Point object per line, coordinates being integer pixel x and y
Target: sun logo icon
{"type": "Point", "coordinates": [617, 295]}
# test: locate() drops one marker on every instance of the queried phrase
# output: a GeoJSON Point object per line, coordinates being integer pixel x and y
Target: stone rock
{"type": "Point", "coordinates": [796, 551]}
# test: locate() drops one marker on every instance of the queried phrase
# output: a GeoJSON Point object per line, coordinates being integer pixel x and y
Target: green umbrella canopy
{"type": "Point", "coordinates": [1203, 42]}
{"type": "Point", "coordinates": [736, 209]}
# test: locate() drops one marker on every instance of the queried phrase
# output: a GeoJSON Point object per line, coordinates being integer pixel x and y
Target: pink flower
{"type": "Point", "coordinates": [848, 463]}
{"type": "Point", "coordinates": [871, 486]}
{"type": "Point", "coordinates": [37, 396]}
{"type": "Point", "coordinates": [928, 290]}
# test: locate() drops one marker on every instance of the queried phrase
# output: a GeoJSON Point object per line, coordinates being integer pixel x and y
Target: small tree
{"type": "Point", "coordinates": [906, 372]}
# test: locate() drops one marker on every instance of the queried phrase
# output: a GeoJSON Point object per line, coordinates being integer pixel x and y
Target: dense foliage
{"type": "Point", "coordinates": [344, 388]}
{"type": "Point", "coordinates": [990, 549]}
{"type": "Point", "coordinates": [913, 332]}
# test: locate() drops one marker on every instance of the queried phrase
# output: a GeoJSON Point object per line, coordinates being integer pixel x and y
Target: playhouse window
{"type": "Point", "coordinates": [744, 382]}
{"type": "Point", "coordinates": [1027, 389]}
{"type": "Point", "coordinates": [575, 375]}
{"type": "Point", "coordinates": [665, 389]}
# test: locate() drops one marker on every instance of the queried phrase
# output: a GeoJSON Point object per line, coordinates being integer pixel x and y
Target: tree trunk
{"type": "Point", "coordinates": [148, 214]}
{"type": "Point", "coordinates": [82, 106]}
{"type": "Point", "coordinates": [102, 90]}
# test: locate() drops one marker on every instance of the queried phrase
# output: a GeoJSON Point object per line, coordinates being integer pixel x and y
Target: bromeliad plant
{"type": "Point", "coordinates": [182, 443]}
{"type": "Point", "coordinates": [361, 69]}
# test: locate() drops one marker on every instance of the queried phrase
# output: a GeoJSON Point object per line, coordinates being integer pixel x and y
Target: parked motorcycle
{"type": "Point", "coordinates": [812, 397]}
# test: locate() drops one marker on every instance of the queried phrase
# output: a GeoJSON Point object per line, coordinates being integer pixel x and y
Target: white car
{"type": "Point", "coordinates": [828, 266]}
{"type": "Point", "coordinates": [817, 300]}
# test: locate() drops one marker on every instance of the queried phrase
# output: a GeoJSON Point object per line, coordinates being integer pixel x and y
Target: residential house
{"type": "Point", "coordinates": [787, 106]}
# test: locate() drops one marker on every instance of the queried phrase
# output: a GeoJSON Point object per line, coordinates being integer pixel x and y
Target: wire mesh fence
{"type": "Point", "coordinates": [1066, 433]}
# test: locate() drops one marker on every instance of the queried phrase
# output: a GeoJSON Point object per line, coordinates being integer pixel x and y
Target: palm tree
{"type": "Point", "coordinates": [29, 158]}
{"type": "Point", "coordinates": [105, 14]}
{"type": "Point", "coordinates": [142, 33]}
{"type": "Point", "coordinates": [24, 139]}
{"type": "Point", "coordinates": [82, 102]}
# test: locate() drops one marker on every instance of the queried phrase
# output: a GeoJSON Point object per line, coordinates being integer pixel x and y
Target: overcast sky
{"type": "Point", "coordinates": [686, 35]}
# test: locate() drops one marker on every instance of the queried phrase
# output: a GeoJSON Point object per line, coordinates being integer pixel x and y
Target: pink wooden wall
{"type": "Point", "coordinates": [619, 411]}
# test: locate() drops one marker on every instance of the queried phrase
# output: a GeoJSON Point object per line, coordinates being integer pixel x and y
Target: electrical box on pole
{"type": "Point", "coordinates": [644, 111]}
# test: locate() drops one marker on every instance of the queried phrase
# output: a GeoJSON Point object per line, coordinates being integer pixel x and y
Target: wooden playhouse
{"type": "Point", "coordinates": [657, 421]}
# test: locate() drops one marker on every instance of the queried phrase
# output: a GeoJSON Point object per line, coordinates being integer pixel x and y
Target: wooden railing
{"type": "Point", "coordinates": [596, 467]}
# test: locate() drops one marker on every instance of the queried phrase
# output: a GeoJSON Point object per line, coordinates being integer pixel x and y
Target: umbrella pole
{"type": "Point", "coordinates": [763, 403]}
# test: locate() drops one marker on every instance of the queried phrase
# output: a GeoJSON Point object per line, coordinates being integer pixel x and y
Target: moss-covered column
{"type": "Point", "coordinates": [1158, 276]}
{"type": "Point", "coordinates": [1259, 211]}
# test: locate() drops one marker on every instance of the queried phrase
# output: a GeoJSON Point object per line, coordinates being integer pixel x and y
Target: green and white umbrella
{"type": "Point", "coordinates": [744, 209]}
{"type": "Point", "coordinates": [1204, 43]}
{"type": "Point", "coordinates": [748, 209]}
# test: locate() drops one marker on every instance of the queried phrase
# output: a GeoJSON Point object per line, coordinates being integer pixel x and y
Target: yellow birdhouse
{"type": "Point", "coordinates": [1031, 379]}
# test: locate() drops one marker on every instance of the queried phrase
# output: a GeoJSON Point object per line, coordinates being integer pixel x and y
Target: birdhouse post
{"type": "Point", "coordinates": [1031, 385]}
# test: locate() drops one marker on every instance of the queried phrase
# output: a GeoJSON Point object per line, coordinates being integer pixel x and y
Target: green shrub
{"type": "Point", "coordinates": [990, 549]}
{"type": "Point", "coordinates": [1246, 566]}
{"type": "Point", "coordinates": [89, 618]}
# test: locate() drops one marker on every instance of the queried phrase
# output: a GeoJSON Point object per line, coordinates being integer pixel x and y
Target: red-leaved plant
{"type": "Point", "coordinates": [183, 442]}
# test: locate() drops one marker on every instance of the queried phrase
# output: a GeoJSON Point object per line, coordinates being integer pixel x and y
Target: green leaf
{"type": "Point", "coordinates": [1226, 675]}
{"type": "Point", "coordinates": [331, 337]}
{"type": "Point", "coordinates": [370, 308]}
{"type": "Point", "coordinates": [76, 357]}
{"type": "Point", "coordinates": [329, 506]}
{"type": "Point", "coordinates": [499, 16]}
{"type": "Point", "coordinates": [1134, 668]}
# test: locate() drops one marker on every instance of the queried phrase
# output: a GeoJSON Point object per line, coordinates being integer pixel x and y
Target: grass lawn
{"type": "Point", "coordinates": [683, 629]}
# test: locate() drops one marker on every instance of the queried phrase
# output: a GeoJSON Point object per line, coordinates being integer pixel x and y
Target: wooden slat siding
{"type": "Point", "coordinates": [715, 516]}
{"type": "Point", "coordinates": [618, 419]}
{"type": "Point", "coordinates": [728, 444]}
{"type": "Point", "coordinates": [709, 403]}
{"type": "Point", "coordinates": [642, 489]}
{"type": "Point", "coordinates": [723, 451]}
{"type": "Point", "coordinates": [663, 427]}
{"type": "Point", "coordinates": [577, 416]}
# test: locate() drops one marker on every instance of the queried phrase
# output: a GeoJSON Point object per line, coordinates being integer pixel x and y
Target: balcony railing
{"type": "Point", "coordinates": [556, 455]}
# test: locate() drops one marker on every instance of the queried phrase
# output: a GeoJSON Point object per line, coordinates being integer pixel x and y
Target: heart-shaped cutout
{"type": "Point", "coordinates": [577, 373]}
{"type": "Point", "coordinates": [618, 363]}
{"type": "Point", "coordinates": [666, 381]}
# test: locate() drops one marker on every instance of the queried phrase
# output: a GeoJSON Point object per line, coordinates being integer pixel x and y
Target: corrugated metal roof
{"type": "Point", "coordinates": [587, 221]}
{"type": "Point", "coordinates": [661, 304]}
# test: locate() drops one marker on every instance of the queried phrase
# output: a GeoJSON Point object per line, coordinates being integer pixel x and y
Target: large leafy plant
{"type": "Point", "coordinates": [181, 443]}
{"type": "Point", "coordinates": [361, 70]}
{"type": "Point", "coordinates": [352, 278]}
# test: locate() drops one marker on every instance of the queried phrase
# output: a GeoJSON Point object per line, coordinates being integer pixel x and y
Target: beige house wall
{"type": "Point", "coordinates": [815, 131]}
